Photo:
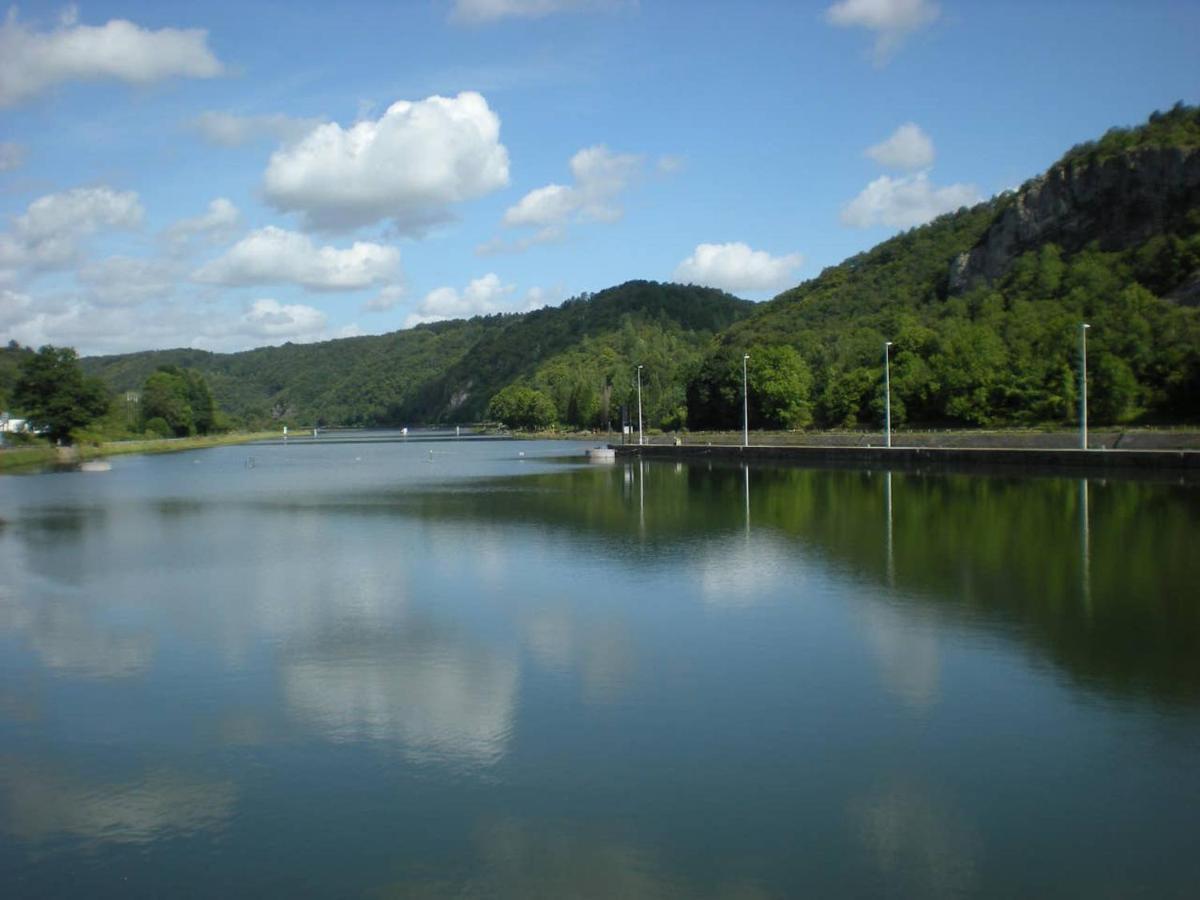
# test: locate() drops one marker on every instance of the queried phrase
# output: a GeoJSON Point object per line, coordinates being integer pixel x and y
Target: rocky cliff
{"type": "Point", "coordinates": [1119, 202]}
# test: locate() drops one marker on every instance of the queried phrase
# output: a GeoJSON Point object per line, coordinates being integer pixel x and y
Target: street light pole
{"type": "Point", "coordinates": [745, 404]}
{"type": "Point", "coordinates": [1083, 330]}
{"type": "Point", "coordinates": [639, 376]}
{"type": "Point", "coordinates": [887, 396]}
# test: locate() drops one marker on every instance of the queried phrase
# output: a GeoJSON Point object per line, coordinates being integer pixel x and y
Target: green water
{"type": "Point", "coordinates": [419, 669]}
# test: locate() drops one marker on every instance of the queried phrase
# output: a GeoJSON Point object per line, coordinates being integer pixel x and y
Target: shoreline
{"type": "Point", "coordinates": [31, 459]}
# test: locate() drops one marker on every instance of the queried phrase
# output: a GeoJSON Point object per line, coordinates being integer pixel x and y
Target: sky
{"type": "Point", "coordinates": [229, 175]}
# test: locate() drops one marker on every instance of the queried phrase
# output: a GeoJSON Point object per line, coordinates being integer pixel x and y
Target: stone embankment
{"type": "Point", "coordinates": [1116, 452]}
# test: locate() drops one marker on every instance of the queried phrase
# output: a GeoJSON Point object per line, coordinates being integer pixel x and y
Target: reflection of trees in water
{"type": "Point", "coordinates": [1002, 553]}
{"type": "Point", "coordinates": [41, 805]}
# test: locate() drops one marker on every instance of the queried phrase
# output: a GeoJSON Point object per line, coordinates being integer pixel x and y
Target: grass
{"type": "Point", "coordinates": [41, 456]}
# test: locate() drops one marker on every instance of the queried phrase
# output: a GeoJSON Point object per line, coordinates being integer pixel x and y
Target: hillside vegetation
{"type": "Point", "coordinates": [983, 307]}
{"type": "Point", "coordinates": [1112, 239]}
{"type": "Point", "coordinates": [582, 354]}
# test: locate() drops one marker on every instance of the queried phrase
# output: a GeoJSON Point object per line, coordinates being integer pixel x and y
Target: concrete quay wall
{"type": "Point", "coordinates": [953, 458]}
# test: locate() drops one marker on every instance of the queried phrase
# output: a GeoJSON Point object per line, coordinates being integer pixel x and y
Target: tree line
{"type": "Point", "coordinates": [49, 389]}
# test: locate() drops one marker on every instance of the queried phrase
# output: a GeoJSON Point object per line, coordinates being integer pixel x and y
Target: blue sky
{"type": "Point", "coordinates": [228, 175]}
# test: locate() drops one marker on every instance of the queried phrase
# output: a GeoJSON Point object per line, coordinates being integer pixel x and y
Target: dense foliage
{"type": "Point", "coordinates": [521, 407]}
{"type": "Point", "coordinates": [177, 403]}
{"type": "Point", "coordinates": [582, 354]}
{"type": "Point", "coordinates": [1175, 128]}
{"type": "Point", "coordinates": [55, 396]}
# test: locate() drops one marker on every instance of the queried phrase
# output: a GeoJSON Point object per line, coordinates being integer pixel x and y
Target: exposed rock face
{"type": "Point", "coordinates": [1120, 202]}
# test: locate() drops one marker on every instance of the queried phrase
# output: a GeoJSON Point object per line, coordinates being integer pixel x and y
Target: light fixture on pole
{"type": "Point", "coordinates": [1083, 330]}
{"type": "Point", "coordinates": [639, 377]}
{"type": "Point", "coordinates": [887, 396]}
{"type": "Point", "coordinates": [745, 403]}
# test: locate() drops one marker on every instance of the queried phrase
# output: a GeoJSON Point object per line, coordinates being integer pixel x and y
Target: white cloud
{"type": "Point", "coordinates": [891, 20]}
{"type": "Point", "coordinates": [601, 176]}
{"type": "Point", "coordinates": [539, 297]}
{"type": "Point", "coordinates": [271, 320]}
{"type": "Point", "coordinates": [481, 297]}
{"type": "Point", "coordinates": [736, 268]}
{"type": "Point", "coordinates": [32, 61]}
{"type": "Point", "coordinates": [93, 327]}
{"type": "Point", "coordinates": [230, 130]}
{"type": "Point", "coordinates": [217, 224]}
{"type": "Point", "coordinates": [273, 255]}
{"type": "Point", "coordinates": [12, 156]}
{"type": "Point", "coordinates": [482, 12]}
{"type": "Point", "coordinates": [386, 299]}
{"type": "Point", "coordinates": [47, 234]}
{"type": "Point", "coordinates": [124, 281]}
{"type": "Point", "coordinates": [669, 164]}
{"type": "Point", "coordinates": [410, 166]}
{"type": "Point", "coordinates": [905, 202]}
{"type": "Point", "coordinates": [908, 147]}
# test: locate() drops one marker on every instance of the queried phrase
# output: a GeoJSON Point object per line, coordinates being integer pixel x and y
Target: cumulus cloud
{"type": "Point", "coordinates": [273, 255]}
{"type": "Point", "coordinates": [80, 321]}
{"type": "Point", "coordinates": [409, 166]}
{"type": "Point", "coordinates": [216, 224]}
{"type": "Point", "coordinates": [47, 234]}
{"type": "Point", "coordinates": [32, 61]}
{"type": "Point", "coordinates": [736, 268]}
{"type": "Point", "coordinates": [125, 281]}
{"type": "Point", "coordinates": [12, 156]}
{"type": "Point", "coordinates": [906, 202]}
{"type": "Point", "coordinates": [386, 299]}
{"type": "Point", "coordinates": [891, 20]}
{"type": "Point", "coordinates": [481, 297]}
{"type": "Point", "coordinates": [908, 147]}
{"type": "Point", "coordinates": [230, 130]}
{"type": "Point", "coordinates": [601, 176]}
{"type": "Point", "coordinates": [483, 12]}
{"type": "Point", "coordinates": [271, 320]}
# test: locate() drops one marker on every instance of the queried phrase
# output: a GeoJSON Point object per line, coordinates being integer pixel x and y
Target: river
{"type": "Point", "coordinates": [487, 668]}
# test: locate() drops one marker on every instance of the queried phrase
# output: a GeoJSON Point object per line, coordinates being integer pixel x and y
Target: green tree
{"type": "Point", "coordinates": [780, 388]}
{"type": "Point", "coordinates": [521, 407]}
{"type": "Point", "coordinates": [181, 398]}
{"type": "Point", "coordinates": [165, 396]}
{"type": "Point", "coordinates": [55, 395]}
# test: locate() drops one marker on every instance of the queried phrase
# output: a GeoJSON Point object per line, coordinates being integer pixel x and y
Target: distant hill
{"type": "Point", "coordinates": [583, 353]}
{"type": "Point", "coordinates": [984, 305]}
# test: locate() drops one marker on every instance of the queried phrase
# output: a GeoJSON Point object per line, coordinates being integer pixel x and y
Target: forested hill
{"type": "Point", "coordinates": [984, 305]}
{"type": "Point", "coordinates": [582, 354]}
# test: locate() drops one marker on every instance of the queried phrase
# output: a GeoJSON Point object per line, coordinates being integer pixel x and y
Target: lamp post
{"type": "Point", "coordinates": [745, 403]}
{"type": "Point", "coordinates": [639, 377]}
{"type": "Point", "coordinates": [1083, 330]}
{"type": "Point", "coordinates": [887, 396]}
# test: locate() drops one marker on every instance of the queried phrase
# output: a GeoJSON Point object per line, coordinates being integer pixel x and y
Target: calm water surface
{"type": "Point", "coordinates": [445, 669]}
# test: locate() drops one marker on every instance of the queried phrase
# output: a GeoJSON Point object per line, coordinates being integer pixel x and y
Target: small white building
{"type": "Point", "coordinates": [12, 426]}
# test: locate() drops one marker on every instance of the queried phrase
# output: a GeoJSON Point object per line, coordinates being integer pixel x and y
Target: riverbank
{"type": "Point", "coordinates": [16, 460]}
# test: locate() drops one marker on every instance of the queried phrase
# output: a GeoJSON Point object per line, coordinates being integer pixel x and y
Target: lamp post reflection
{"type": "Point", "coordinates": [747, 482]}
{"type": "Point", "coordinates": [1085, 548]}
{"type": "Point", "coordinates": [891, 559]}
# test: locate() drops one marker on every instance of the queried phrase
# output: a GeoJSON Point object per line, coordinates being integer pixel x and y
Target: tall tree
{"type": "Point", "coordinates": [55, 395]}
